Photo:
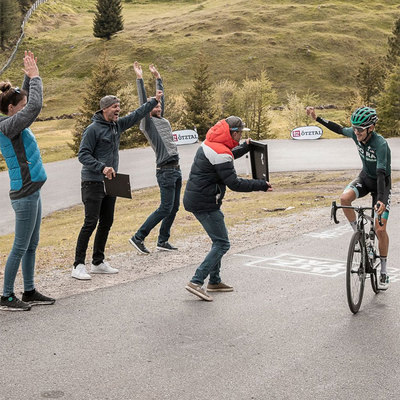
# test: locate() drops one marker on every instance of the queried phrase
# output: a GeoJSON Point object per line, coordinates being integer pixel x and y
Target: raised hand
{"type": "Point", "coordinates": [159, 94]}
{"type": "Point", "coordinates": [138, 70]}
{"type": "Point", "coordinates": [30, 65]}
{"type": "Point", "coordinates": [311, 112]}
{"type": "Point", "coordinates": [154, 71]}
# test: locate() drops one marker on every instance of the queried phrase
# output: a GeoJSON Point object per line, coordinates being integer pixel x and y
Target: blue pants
{"type": "Point", "coordinates": [214, 224]}
{"type": "Point", "coordinates": [170, 183]}
{"type": "Point", "coordinates": [28, 216]}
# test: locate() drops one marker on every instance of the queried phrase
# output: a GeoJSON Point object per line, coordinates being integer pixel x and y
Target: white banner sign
{"type": "Point", "coordinates": [306, 132]}
{"type": "Point", "coordinates": [186, 136]}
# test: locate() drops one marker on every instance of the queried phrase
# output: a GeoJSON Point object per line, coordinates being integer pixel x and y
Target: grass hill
{"type": "Point", "coordinates": [303, 45]}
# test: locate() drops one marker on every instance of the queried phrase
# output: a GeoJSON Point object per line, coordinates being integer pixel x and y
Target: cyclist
{"type": "Point", "coordinates": [374, 177]}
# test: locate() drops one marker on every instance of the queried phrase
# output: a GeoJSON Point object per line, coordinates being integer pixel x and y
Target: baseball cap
{"type": "Point", "coordinates": [236, 124]}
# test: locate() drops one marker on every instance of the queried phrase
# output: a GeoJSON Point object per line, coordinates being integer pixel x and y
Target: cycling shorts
{"type": "Point", "coordinates": [363, 185]}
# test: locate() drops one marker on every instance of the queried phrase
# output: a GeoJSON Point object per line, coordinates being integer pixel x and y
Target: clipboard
{"type": "Point", "coordinates": [259, 160]}
{"type": "Point", "coordinates": [119, 186]}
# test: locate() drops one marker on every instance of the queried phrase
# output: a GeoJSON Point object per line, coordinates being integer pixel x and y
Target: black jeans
{"type": "Point", "coordinates": [99, 208]}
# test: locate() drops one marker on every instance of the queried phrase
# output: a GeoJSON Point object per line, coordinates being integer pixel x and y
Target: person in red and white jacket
{"type": "Point", "coordinates": [212, 170]}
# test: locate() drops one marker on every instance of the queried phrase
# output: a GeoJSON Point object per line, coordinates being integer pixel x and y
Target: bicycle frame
{"type": "Point", "coordinates": [366, 239]}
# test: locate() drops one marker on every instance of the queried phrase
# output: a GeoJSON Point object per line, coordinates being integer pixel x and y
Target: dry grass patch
{"type": "Point", "coordinates": [294, 192]}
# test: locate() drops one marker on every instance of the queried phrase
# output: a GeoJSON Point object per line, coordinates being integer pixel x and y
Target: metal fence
{"type": "Point", "coordinates": [26, 19]}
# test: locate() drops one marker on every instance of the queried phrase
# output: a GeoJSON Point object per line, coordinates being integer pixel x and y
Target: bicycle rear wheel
{"type": "Point", "coordinates": [355, 273]}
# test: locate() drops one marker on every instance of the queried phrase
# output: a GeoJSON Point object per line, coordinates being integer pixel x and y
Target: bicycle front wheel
{"type": "Point", "coordinates": [355, 273]}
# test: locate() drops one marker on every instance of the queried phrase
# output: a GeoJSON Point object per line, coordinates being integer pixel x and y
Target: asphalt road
{"type": "Point", "coordinates": [284, 333]}
{"type": "Point", "coordinates": [62, 188]}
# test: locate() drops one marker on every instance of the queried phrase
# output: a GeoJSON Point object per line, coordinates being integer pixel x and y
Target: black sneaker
{"type": "Point", "coordinates": [138, 245]}
{"type": "Point", "coordinates": [35, 298]}
{"type": "Point", "coordinates": [12, 303]}
{"type": "Point", "coordinates": [166, 246]}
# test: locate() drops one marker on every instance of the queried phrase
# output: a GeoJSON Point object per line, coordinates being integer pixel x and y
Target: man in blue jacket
{"type": "Point", "coordinates": [98, 153]}
{"type": "Point", "coordinates": [212, 170]}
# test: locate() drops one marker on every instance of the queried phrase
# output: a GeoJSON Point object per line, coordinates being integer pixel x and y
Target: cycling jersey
{"type": "Point", "coordinates": [375, 154]}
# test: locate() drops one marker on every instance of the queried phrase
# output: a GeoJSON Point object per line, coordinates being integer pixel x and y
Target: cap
{"type": "Point", "coordinates": [108, 101]}
{"type": "Point", "coordinates": [236, 124]}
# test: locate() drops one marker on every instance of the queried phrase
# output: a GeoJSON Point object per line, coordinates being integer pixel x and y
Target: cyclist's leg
{"type": "Point", "coordinates": [354, 190]}
{"type": "Point", "coordinates": [381, 232]}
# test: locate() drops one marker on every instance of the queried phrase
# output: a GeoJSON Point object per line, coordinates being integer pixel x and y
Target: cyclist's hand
{"type": "Point", "coordinates": [380, 207]}
{"type": "Point", "coordinates": [311, 112]}
{"type": "Point", "coordinates": [269, 187]}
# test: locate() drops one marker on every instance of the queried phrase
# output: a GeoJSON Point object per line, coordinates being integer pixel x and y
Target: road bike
{"type": "Point", "coordinates": [362, 258]}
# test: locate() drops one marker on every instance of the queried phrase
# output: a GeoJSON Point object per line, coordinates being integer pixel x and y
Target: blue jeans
{"type": "Point", "coordinates": [170, 183]}
{"type": "Point", "coordinates": [28, 217]}
{"type": "Point", "coordinates": [99, 211]}
{"type": "Point", "coordinates": [214, 224]}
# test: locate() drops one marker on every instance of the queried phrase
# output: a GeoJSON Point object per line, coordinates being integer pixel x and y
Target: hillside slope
{"type": "Point", "coordinates": [302, 44]}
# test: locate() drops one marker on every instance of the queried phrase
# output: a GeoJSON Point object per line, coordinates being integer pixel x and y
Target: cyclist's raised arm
{"type": "Point", "coordinates": [332, 126]}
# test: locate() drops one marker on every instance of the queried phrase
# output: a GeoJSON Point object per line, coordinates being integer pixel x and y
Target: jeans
{"type": "Point", "coordinates": [170, 183]}
{"type": "Point", "coordinates": [214, 224]}
{"type": "Point", "coordinates": [28, 217]}
{"type": "Point", "coordinates": [99, 208]}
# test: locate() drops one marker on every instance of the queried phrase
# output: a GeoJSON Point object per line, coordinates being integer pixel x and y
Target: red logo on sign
{"type": "Point", "coordinates": [296, 133]}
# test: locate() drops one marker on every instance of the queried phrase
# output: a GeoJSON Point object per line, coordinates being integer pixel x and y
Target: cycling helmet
{"type": "Point", "coordinates": [364, 116]}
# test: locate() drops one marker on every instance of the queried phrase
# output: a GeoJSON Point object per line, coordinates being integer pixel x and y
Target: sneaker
{"type": "Point", "coordinates": [198, 291]}
{"type": "Point", "coordinates": [166, 246]}
{"type": "Point", "coordinates": [383, 282]}
{"type": "Point", "coordinates": [103, 268]}
{"type": "Point", "coordinates": [34, 298]}
{"type": "Point", "coordinates": [139, 245]}
{"type": "Point", "coordinates": [12, 303]}
{"type": "Point", "coordinates": [79, 272]}
{"type": "Point", "coordinates": [220, 287]}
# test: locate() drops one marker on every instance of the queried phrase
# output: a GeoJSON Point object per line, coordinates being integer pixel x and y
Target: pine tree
{"type": "Point", "coordinates": [10, 18]}
{"type": "Point", "coordinates": [370, 79]}
{"type": "Point", "coordinates": [104, 81]}
{"type": "Point", "coordinates": [389, 105]}
{"type": "Point", "coordinates": [107, 19]}
{"type": "Point", "coordinates": [199, 107]}
{"type": "Point", "coordinates": [254, 100]}
{"type": "Point", "coordinates": [394, 45]}
{"type": "Point", "coordinates": [25, 5]}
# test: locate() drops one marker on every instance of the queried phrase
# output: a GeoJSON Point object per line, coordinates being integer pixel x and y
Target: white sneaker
{"type": "Point", "coordinates": [79, 272]}
{"type": "Point", "coordinates": [103, 268]}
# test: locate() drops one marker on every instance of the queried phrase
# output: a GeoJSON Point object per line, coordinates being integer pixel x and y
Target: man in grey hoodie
{"type": "Point", "coordinates": [98, 153]}
{"type": "Point", "coordinates": [158, 132]}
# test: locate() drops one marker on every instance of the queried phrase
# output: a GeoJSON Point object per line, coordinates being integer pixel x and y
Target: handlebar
{"type": "Point", "coordinates": [357, 209]}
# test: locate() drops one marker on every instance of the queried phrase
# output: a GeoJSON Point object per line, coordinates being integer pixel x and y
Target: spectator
{"type": "Point", "coordinates": [212, 170]}
{"type": "Point", "coordinates": [19, 108]}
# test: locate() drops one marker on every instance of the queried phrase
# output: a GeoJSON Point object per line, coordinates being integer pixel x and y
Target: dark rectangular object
{"type": "Point", "coordinates": [259, 160]}
{"type": "Point", "coordinates": [118, 186]}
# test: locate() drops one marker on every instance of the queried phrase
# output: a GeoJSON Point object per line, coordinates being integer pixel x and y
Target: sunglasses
{"type": "Point", "coordinates": [17, 90]}
{"type": "Point", "coordinates": [360, 129]}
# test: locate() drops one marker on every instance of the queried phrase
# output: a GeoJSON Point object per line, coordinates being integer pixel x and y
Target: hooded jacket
{"type": "Point", "coordinates": [213, 169]}
{"type": "Point", "coordinates": [18, 144]}
{"type": "Point", "coordinates": [100, 142]}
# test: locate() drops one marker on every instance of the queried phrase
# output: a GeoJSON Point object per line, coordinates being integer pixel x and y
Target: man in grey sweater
{"type": "Point", "coordinates": [158, 132]}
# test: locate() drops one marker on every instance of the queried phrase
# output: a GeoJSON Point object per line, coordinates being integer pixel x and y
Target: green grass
{"type": "Point", "coordinates": [302, 44]}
